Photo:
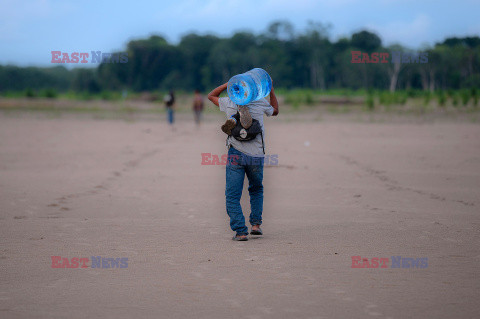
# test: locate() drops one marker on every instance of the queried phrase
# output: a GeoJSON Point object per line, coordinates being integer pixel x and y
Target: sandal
{"type": "Point", "coordinates": [228, 126]}
{"type": "Point", "coordinates": [257, 232]}
{"type": "Point", "coordinates": [245, 117]}
{"type": "Point", "coordinates": [240, 238]}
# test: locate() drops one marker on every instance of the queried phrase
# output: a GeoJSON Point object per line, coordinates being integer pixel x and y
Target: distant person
{"type": "Point", "coordinates": [197, 106]}
{"type": "Point", "coordinates": [169, 100]}
{"type": "Point", "coordinates": [244, 158]}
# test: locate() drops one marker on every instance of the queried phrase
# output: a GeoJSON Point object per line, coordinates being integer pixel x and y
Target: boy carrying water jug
{"type": "Point", "coordinates": [246, 150]}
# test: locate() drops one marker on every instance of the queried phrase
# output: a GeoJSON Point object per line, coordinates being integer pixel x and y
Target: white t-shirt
{"type": "Point", "coordinates": [256, 109]}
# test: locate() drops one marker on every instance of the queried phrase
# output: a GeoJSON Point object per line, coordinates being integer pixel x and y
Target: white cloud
{"type": "Point", "coordinates": [412, 32]}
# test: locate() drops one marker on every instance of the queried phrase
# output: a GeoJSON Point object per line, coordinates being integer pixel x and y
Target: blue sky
{"type": "Point", "coordinates": [30, 29]}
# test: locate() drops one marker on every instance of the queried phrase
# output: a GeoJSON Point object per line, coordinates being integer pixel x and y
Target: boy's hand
{"type": "Point", "coordinates": [213, 96]}
{"type": "Point", "coordinates": [273, 102]}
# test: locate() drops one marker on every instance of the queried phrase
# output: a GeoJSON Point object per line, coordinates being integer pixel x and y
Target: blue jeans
{"type": "Point", "coordinates": [238, 165]}
{"type": "Point", "coordinates": [170, 115]}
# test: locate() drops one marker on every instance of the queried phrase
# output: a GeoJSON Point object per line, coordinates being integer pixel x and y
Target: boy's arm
{"type": "Point", "coordinates": [274, 102]}
{"type": "Point", "coordinates": [213, 96]}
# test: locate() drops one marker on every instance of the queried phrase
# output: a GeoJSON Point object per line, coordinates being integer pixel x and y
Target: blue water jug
{"type": "Point", "coordinates": [249, 86]}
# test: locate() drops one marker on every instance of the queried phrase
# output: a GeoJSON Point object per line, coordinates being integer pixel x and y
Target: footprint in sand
{"type": "Point", "coordinates": [197, 274]}
{"type": "Point", "coordinates": [234, 303]}
{"type": "Point", "coordinates": [370, 310]}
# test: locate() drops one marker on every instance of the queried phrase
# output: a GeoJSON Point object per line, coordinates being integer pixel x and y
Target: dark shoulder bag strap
{"type": "Point", "coordinates": [263, 145]}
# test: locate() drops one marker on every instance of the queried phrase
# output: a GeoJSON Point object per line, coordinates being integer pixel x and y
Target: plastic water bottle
{"type": "Point", "coordinates": [249, 86]}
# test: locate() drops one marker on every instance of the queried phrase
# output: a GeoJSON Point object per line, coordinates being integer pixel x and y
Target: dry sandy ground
{"type": "Point", "coordinates": [77, 187]}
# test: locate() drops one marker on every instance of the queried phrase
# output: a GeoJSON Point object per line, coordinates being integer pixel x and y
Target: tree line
{"type": "Point", "coordinates": [306, 59]}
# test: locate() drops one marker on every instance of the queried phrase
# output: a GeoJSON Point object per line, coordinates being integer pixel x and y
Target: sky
{"type": "Point", "coordinates": [31, 29]}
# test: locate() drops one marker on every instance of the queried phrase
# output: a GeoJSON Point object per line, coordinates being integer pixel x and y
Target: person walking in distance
{"type": "Point", "coordinates": [169, 100]}
{"type": "Point", "coordinates": [197, 106]}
